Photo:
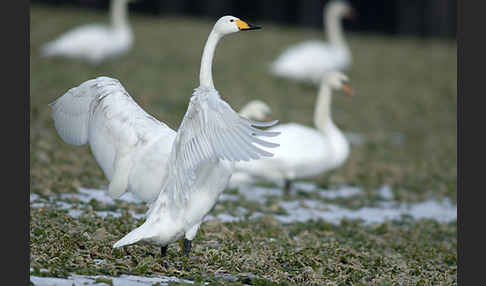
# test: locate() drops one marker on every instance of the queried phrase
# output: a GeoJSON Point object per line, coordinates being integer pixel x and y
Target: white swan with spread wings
{"type": "Point", "coordinates": [194, 164]}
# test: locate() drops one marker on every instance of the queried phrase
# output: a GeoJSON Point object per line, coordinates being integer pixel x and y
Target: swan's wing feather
{"type": "Point", "coordinates": [210, 131]}
{"type": "Point", "coordinates": [71, 112]}
{"type": "Point", "coordinates": [102, 112]}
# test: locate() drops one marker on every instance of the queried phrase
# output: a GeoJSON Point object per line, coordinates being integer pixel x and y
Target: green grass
{"type": "Point", "coordinates": [403, 85]}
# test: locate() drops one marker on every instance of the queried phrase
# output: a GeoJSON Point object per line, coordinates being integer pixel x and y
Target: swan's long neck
{"type": "Point", "coordinates": [323, 122]}
{"type": "Point", "coordinates": [118, 13]}
{"type": "Point", "coordinates": [322, 111]}
{"type": "Point", "coordinates": [206, 74]}
{"type": "Point", "coordinates": [334, 29]}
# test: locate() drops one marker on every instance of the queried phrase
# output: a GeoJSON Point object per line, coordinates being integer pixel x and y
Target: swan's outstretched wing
{"type": "Point", "coordinates": [211, 130]}
{"type": "Point", "coordinates": [100, 111]}
{"type": "Point", "coordinates": [71, 111]}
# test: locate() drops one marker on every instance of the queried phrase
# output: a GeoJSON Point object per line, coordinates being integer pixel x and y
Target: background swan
{"type": "Point", "coordinates": [304, 151]}
{"type": "Point", "coordinates": [256, 110]}
{"type": "Point", "coordinates": [212, 136]}
{"type": "Point", "coordinates": [308, 61]}
{"type": "Point", "coordinates": [95, 43]}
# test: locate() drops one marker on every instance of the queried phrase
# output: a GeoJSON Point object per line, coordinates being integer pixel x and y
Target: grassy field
{"type": "Point", "coordinates": [404, 86]}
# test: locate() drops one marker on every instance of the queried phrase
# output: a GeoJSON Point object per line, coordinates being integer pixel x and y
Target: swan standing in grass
{"type": "Point", "coordinates": [308, 61]}
{"type": "Point", "coordinates": [95, 43]}
{"type": "Point", "coordinates": [304, 151]}
{"type": "Point", "coordinates": [212, 136]}
{"type": "Point", "coordinates": [210, 139]}
{"type": "Point", "coordinates": [147, 160]}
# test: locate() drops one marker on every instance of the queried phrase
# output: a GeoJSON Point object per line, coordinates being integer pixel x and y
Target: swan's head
{"type": "Point", "coordinates": [230, 24]}
{"type": "Point", "coordinates": [257, 110]}
{"type": "Point", "coordinates": [337, 81]}
{"type": "Point", "coordinates": [340, 8]}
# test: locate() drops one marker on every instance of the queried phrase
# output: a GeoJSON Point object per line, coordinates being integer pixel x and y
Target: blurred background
{"type": "Point", "coordinates": [423, 18]}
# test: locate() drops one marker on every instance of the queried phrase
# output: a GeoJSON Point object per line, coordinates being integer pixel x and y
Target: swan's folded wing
{"type": "Point", "coordinates": [211, 130]}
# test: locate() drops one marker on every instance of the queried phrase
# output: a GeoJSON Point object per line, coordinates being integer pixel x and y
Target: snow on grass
{"type": "Point", "coordinates": [297, 210]}
{"type": "Point", "coordinates": [443, 211]}
{"type": "Point", "coordinates": [86, 195]}
{"type": "Point", "coordinates": [258, 194]}
{"type": "Point", "coordinates": [123, 280]}
{"type": "Point", "coordinates": [74, 203]}
{"type": "Point", "coordinates": [34, 197]}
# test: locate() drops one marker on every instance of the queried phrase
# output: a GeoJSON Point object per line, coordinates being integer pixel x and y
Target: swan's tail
{"type": "Point", "coordinates": [133, 236]}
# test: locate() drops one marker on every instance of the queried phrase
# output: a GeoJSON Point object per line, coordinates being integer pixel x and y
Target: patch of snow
{"type": "Point", "coordinates": [227, 218]}
{"type": "Point", "coordinates": [86, 195]}
{"type": "Point", "coordinates": [443, 211]}
{"type": "Point", "coordinates": [75, 209]}
{"type": "Point", "coordinates": [34, 197]}
{"type": "Point", "coordinates": [123, 280]}
{"type": "Point", "coordinates": [74, 213]}
{"type": "Point", "coordinates": [137, 215]}
{"type": "Point", "coordinates": [258, 194]}
{"type": "Point", "coordinates": [130, 198]}
{"type": "Point", "coordinates": [208, 218]}
{"type": "Point", "coordinates": [385, 192]}
{"type": "Point", "coordinates": [37, 205]}
{"type": "Point", "coordinates": [64, 205]}
{"type": "Point", "coordinates": [103, 214]}
{"type": "Point", "coordinates": [305, 186]}
{"type": "Point", "coordinates": [226, 276]}
{"type": "Point", "coordinates": [52, 281]}
{"type": "Point", "coordinates": [241, 211]}
{"type": "Point", "coordinates": [41, 270]}
{"type": "Point", "coordinates": [228, 197]}
{"type": "Point", "coordinates": [343, 192]}
{"type": "Point", "coordinates": [256, 215]}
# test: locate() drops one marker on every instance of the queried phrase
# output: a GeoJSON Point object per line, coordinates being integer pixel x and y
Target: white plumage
{"type": "Point", "coordinates": [304, 151]}
{"type": "Point", "coordinates": [130, 146]}
{"type": "Point", "coordinates": [95, 43]}
{"type": "Point", "coordinates": [212, 136]}
{"type": "Point", "coordinates": [102, 113]}
{"type": "Point", "coordinates": [308, 61]}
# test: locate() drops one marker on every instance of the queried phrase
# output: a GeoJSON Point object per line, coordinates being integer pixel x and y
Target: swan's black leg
{"type": "Point", "coordinates": [163, 251]}
{"type": "Point", "coordinates": [287, 187]}
{"type": "Point", "coordinates": [187, 246]}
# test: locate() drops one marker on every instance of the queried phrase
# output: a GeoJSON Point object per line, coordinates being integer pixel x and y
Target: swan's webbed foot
{"type": "Point", "coordinates": [187, 246]}
{"type": "Point", "coordinates": [163, 250]}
